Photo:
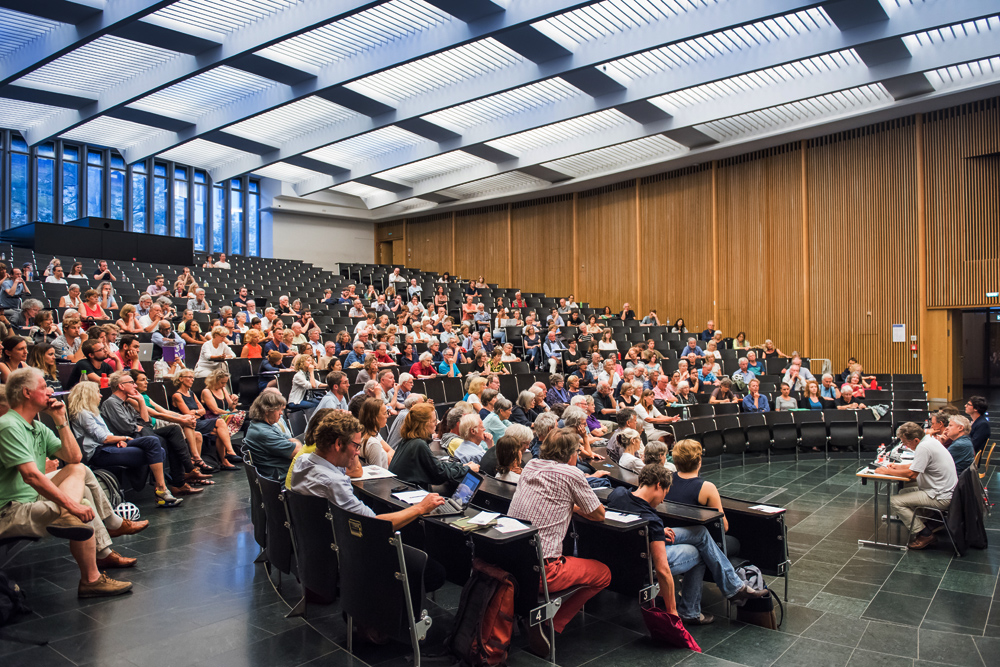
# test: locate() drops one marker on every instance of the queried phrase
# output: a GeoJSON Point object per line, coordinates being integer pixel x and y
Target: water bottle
{"type": "Point", "coordinates": [686, 414]}
{"type": "Point", "coordinates": [104, 380]}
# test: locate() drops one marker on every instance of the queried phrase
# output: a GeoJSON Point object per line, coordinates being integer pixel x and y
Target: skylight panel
{"type": "Point", "coordinates": [111, 132]}
{"type": "Point", "coordinates": [18, 115]}
{"type": "Point", "coordinates": [99, 65]}
{"type": "Point", "coordinates": [221, 16]}
{"type": "Point", "coordinates": [292, 120]}
{"type": "Point", "coordinates": [204, 154]}
{"type": "Point", "coordinates": [523, 142]}
{"type": "Point", "coordinates": [204, 93]}
{"type": "Point", "coordinates": [786, 116]}
{"type": "Point", "coordinates": [519, 100]}
{"type": "Point", "coordinates": [289, 173]}
{"type": "Point", "coordinates": [367, 146]}
{"type": "Point", "coordinates": [965, 74]}
{"type": "Point", "coordinates": [611, 17]}
{"type": "Point", "coordinates": [632, 153]}
{"type": "Point", "coordinates": [17, 30]}
{"type": "Point", "coordinates": [434, 167]}
{"type": "Point", "coordinates": [438, 71]}
{"type": "Point", "coordinates": [513, 181]}
{"type": "Point", "coordinates": [931, 38]}
{"type": "Point", "coordinates": [373, 28]}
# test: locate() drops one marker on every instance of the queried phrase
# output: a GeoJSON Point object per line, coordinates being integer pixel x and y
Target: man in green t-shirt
{"type": "Point", "coordinates": [33, 504]}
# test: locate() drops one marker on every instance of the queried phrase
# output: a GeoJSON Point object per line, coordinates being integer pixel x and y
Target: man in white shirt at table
{"type": "Point", "coordinates": [934, 471]}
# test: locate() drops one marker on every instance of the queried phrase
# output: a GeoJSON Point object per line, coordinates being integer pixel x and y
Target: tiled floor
{"type": "Point", "coordinates": [200, 600]}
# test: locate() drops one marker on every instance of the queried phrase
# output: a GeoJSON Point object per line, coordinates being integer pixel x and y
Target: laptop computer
{"type": "Point", "coordinates": [459, 500]}
{"type": "Point", "coordinates": [145, 352]}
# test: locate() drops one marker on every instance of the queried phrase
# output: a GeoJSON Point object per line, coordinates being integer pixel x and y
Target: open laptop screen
{"type": "Point", "coordinates": [467, 488]}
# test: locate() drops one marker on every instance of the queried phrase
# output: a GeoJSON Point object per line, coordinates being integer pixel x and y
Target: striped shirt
{"type": "Point", "coordinates": [545, 496]}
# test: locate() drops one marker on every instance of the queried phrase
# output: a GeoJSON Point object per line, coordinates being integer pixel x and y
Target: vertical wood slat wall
{"type": "Point", "coordinates": [848, 200]}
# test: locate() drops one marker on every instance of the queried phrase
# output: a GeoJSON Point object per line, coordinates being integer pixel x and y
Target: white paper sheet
{"type": "Point", "coordinates": [508, 525]}
{"type": "Point", "coordinates": [766, 508]}
{"type": "Point", "coordinates": [375, 472]}
{"type": "Point", "coordinates": [484, 518]}
{"type": "Point", "coordinates": [411, 497]}
{"type": "Point", "coordinates": [621, 518]}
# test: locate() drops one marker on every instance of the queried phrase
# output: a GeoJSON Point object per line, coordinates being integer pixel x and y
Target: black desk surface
{"type": "Point", "coordinates": [674, 512]}
{"type": "Point", "coordinates": [744, 507]}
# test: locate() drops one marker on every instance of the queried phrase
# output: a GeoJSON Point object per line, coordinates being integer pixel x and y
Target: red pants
{"type": "Point", "coordinates": [569, 572]}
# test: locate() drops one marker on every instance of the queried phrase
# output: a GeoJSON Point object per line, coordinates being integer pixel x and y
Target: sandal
{"type": "Point", "coordinates": [228, 468]}
{"type": "Point", "coordinates": [200, 482]}
{"type": "Point", "coordinates": [200, 464]}
{"type": "Point", "coordinates": [185, 490]}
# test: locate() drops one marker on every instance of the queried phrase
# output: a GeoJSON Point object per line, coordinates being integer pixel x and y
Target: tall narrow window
{"type": "Point", "coordinates": [180, 201]}
{"type": "Point", "coordinates": [45, 182]}
{"type": "Point", "coordinates": [70, 183]}
{"type": "Point", "coordinates": [218, 218]}
{"type": "Point", "coordinates": [19, 179]}
{"type": "Point", "coordinates": [253, 220]}
{"type": "Point", "coordinates": [160, 194]}
{"type": "Point", "coordinates": [139, 180]}
{"type": "Point", "coordinates": [95, 183]}
{"type": "Point", "coordinates": [116, 183]}
{"type": "Point", "coordinates": [235, 217]}
{"type": "Point", "coordinates": [200, 210]}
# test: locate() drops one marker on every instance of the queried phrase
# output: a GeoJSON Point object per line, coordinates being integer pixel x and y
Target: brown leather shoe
{"type": "Point", "coordinates": [68, 527]}
{"type": "Point", "coordinates": [114, 560]}
{"type": "Point", "coordinates": [102, 588]}
{"type": "Point", "coordinates": [129, 528]}
{"type": "Point", "coordinates": [922, 541]}
{"type": "Point", "coordinates": [748, 592]}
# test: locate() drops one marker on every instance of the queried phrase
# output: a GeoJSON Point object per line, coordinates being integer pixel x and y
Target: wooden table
{"type": "Point", "coordinates": [877, 481]}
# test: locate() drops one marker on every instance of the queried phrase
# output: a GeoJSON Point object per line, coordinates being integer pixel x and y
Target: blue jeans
{"type": "Point", "coordinates": [693, 551]}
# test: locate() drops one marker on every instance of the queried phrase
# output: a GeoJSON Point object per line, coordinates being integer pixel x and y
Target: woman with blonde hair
{"type": "Point", "coordinates": [369, 370]}
{"type": "Point", "coordinates": [303, 382]}
{"type": "Point", "coordinates": [186, 403]}
{"type": "Point", "coordinates": [413, 461]}
{"type": "Point", "coordinates": [128, 321]}
{"type": "Point", "coordinates": [214, 353]}
{"type": "Point", "coordinates": [606, 342]}
{"type": "Point", "coordinates": [251, 345]}
{"type": "Point", "coordinates": [219, 402]}
{"type": "Point", "coordinates": [476, 387]}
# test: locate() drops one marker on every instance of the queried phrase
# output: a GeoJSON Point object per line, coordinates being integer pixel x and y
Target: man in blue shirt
{"type": "Point", "coordinates": [961, 449]}
{"type": "Point", "coordinates": [12, 290]}
{"type": "Point", "coordinates": [692, 348]}
{"type": "Point", "coordinates": [448, 367]}
{"type": "Point", "coordinates": [753, 365]}
{"type": "Point", "coordinates": [553, 349]}
{"type": "Point", "coordinates": [709, 331]}
{"type": "Point", "coordinates": [680, 550]}
{"type": "Point", "coordinates": [275, 342]}
{"type": "Point", "coordinates": [355, 356]}
{"type": "Point", "coordinates": [586, 377]}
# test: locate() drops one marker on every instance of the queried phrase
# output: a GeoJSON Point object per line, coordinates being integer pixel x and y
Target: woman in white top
{"type": "Point", "coordinates": [606, 343]}
{"type": "Point", "coordinates": [303, 380]}
{"type": "Point", "coordinates": [375, 451]}
{"type": "Point", "coordinates": [72, 300]}
{"type": "Point", "coordinates": [649, 416]}
{"type": "Point", "coordinates": [631, 443]}
{"type": "Point", "coordinates": [509, 452]}
{"type": "Point", "coordinates": [214, 353]}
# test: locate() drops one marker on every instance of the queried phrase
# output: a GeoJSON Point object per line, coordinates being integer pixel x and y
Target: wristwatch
{"type": "Point", "coordinates": [61, 426]}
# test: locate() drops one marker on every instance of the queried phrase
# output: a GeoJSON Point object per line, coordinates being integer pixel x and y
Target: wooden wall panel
{"type": "Point", "coordinates": [863, 245]}
{"type": "Point", "coordinates": [759, 245]}
{"type": "Point", "coordinates": [962, 179]}
{"type": "Point", "coordinates": [481, 244]}
{"type": "Point", "coordinates": [675, 212]}
{"type": "Point", "coordinates": [389, 231]}
{"type": "Point", "coordinates": [606, 234]}
{"type": "Point", "coordinates": [429, 243]}
{"type": "Point", "coordinates": [542, 233]}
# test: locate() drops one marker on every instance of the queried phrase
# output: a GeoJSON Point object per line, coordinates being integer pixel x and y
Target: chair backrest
{"type": "Point", "coordinates": [279, 540]}
{"type": "Point", "coordinates": [257, 515]}
{"type": "Point", "coordinates": [373, 576]}
{"type": "Point", "coordinates": [312, 535]}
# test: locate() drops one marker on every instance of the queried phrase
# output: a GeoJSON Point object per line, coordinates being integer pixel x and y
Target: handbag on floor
{"type": "Point", "coordinates": [666, 627]}
{"type": "Point", "coordinates": [759, 611]}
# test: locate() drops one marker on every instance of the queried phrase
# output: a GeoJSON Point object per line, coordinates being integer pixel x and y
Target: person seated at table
{"type": "Point", "coordinates": [687, 487]}
{"type": "Point", "coordinates": [847, 401]}
{"type": "Point", "coordinates": [631, 444]}
{"type": "Point", "coordinates": [689, 550]}
{"type": "Point", "coordinates": [489, 464]}
{"type": "Point", "coordinates": [550, 490]}
{"type": "Point", "coordinates": [934, 471]}
{"type": "Point", "coordinates": [323, 473]}
{"type": "Point", "coordinates": [508, 459]}
{"type": "Point", "coordinates": [475, 439]}
{"type": "Point", "coordinates": [957, 431]}
{"type": "Point", "coordinates": [413, 461]}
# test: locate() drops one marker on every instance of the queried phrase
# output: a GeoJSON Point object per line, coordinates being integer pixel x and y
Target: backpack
{"type": "Point", "coordinates": [484, 622]}
{"type": "Point", "coordinates": [761, 610]}
{"type": "Point", "coordinates": [11, 599]}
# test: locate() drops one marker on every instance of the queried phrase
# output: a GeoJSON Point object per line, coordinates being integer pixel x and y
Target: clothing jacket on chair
{"type": "Point", "coordinates": [965, 514]}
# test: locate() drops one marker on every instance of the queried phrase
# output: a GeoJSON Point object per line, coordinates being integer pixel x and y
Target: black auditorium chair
{"type": "Point", "coordinates": [279, 540]}
{"type": "Point", "coordinates": [875, 433]}
{"type": "Point", "coordinates": [712, 442]}
{"type": "Point", "coordinates": [313, 546]}
{"type": "Point", "coordinates": [258, 517]}
{"type": "Point", "coordinates": [726, 409]}
{"type": "Point", "coordinates": [784, 434]}
{"type": "Point", "coordinates": [843, 428]}
{"type": "Point", "coordinates": [732, 434]}
{"type": "Point", "coordinates": [812, 428]}
{"type": "Point", "coordinates": [702, 410]}
{"type": "Point", "coordinates": [758, 434]}
{"type": "Point", "coordinates": [375, 589]}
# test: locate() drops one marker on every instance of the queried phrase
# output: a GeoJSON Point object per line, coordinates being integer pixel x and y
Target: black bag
{"type": "Point", "coordinates": [759, 611]}
{"type": "Point", "coordinates": [484, 623]}
{"type": "Point", "coordinates": [11, 599]}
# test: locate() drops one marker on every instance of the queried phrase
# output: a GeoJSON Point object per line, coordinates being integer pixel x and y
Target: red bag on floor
{"type": "Point", "coordinates": [666, 627]}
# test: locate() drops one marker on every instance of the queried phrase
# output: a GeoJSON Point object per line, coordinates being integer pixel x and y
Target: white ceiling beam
{"type": "Point", "coordinates": [653, 35]}
{"type": "Point", "coordinates": [727, 66]}
{"type": "Point", "coordinates": [945, 54]}
{"type": "Point", "coordinates": [61, 40]}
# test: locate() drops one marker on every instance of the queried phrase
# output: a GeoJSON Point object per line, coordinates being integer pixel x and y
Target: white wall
{"type": "Point", "coordinates": [323, 241]}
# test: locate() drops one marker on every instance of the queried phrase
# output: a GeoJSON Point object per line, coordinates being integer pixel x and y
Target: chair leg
{"type": "Point", "coordinates": [261, 557]}
{"type": "Point", "coordinates": [299, 609]}
{"type": "Point", "coordinates": [350, 634]}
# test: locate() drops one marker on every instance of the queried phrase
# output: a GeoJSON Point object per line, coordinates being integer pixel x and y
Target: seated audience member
{"type": "Point", "coordinates": [128, 353]}
{"type": "Point", "coordinates": [187, 424]}
{"type": "Point", "coordinates": [271, 449]}
{"type": "Point", "coordinates": [509, 451]}
{"type": "Point", "coordinates": [553, 349]}
{"type": "Point", "coordinates": [687, 486]}
{"type": "Point", "coordinates": [583, 372]}
{"type": "Point", "coordinates": [102, 449]}
{"type": "Point", "coordinates": [303, 382]}
{"type": "Point", "coordinates": [649, 416]}
{"type": "Point", "coordinates": [15, 353]}
{"type": "Point", "coordinates": [68, 503]}
{"type": "Point", "coordinates": [424, 367]}
{"type": "Point", "coordinates": [199, 304]}
{"type": "Point", "coordinates": [68, 345]}
{"type": "Point", "coordinates": [43, 357]}
{"type": "Point", "coordinates": [976, 408]}
{"type": "Point", "coordinates": [961, 449]}
{"type": "Point", "coordinates": [689, 550]}
{"type": "Point", "coordinates": [475, 439]}
{"type": "Point", "coordinates": [71, 299]}
{"type": "Point", "coordinates": [724, 393]}
{"type": "Point", "coordinates": [192, 334]}
{"type": "Point", "coordinates": [574, 418]}
{"type": "Point", "coordinates": [692, 348]}
{"type": "Point", "coordinates": [557, 392]}
{"type": "Point", "coordinates": [742, 377]}
{"type": "Point", "coordinates": [771, 351]}
{"type": "Point", "coordinates": [413, 461]}
{"type": "Point", "coordinates": [336, 397]}
{"type": "Point", "coordinates": [210, 426]}
{"type": "Point", "coordinates": [498, 421]}
{"type": "Point", "coordinates": [934, 471]}
{"type": "Point", "coordinates": [157, 288]}
{"type": "Point", "coordinates": [374, 449]}
{"type": "Point", "coordinates": [550, 490]}
{"type": "Point", "coordinates": [166, 336]}
{"type": "Point", "coordinates": [23, 318]}
{"type": "Point", "coordinates": [214, 353]}
{"type": "Point", "coordinates": [755, 401]}
{"type": "Point", "coordinates": [93, 364]}
{"type": "Point", "coordinates": [519, 414]}
{"type": "Point", "coordinates": [523, 436]}
{"type": "Point", "coordinates": [631, 445]}
{"type": "Point", "coordinates": [828, 390]}
{"type": "Point", "coordinates": [451, 439]}
{"type": "Point", "coordinates": [847, 401]}
{"type": "Point", "coordinates": [323, 473]}
{"type": "Point", "coordinates": [626, 419]}
{"type": "Point", "coordinates": [786, 402]}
